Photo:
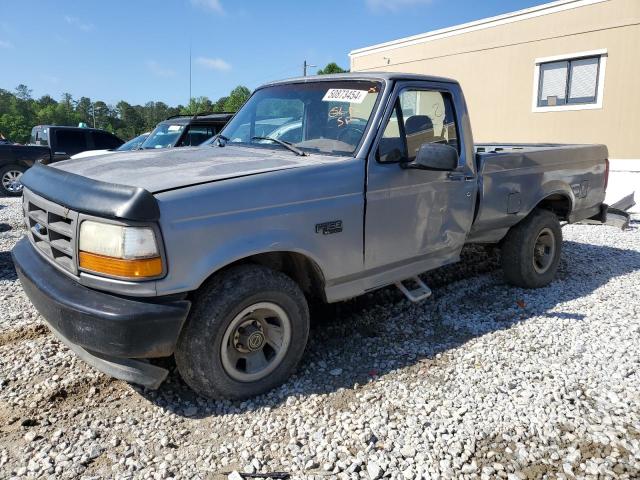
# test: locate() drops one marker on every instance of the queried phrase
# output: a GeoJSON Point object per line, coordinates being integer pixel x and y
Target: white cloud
{"type": "Point", "coordinates": [213, 64]}
{"type": "Point", "coordinates": [158, 70]}
{"type": "Point", "coordinates": [394, 5]}
{"type": "Point", "coordinates": [5, 44]}
{"type": "Point", "coordinates": [76, 22]}
{"type": "Point", "coordinates": [212, 5]}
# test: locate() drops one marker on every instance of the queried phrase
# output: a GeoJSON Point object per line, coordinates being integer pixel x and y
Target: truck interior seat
{"type": "Point", "coordinates": [417, 124]}
{"type": "Point", "coordinates": [419, 130]}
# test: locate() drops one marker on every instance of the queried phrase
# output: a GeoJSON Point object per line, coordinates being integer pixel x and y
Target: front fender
{"type": "Point", "coordinates": [208, 227]}
{"type": "Point", "coordinates": [246, 246]}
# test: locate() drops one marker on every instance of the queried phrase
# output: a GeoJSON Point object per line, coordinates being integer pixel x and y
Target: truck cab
{"type": "Point", "coordinates": [67, 141]}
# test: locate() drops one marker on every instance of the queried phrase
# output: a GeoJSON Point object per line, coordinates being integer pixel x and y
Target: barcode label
{"type": "Point", "coordinates": [344, 95]}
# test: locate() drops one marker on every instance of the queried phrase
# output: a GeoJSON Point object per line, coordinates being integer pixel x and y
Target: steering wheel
{"type": "Point", "coordinates": [350, 132]}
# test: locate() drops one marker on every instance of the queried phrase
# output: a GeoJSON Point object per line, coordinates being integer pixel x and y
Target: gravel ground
{"type": "Point", "coordinates": [482, 381]}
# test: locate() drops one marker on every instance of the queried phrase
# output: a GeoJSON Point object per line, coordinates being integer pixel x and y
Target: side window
{"type": "Point", "coordinates": [420, 116]}
{"type": "Point", "coordinates": [104, 141]}
{"type": "Point", "coordinates": [71, 141]}
{"type": "Point", "coordinates": [196, 134]}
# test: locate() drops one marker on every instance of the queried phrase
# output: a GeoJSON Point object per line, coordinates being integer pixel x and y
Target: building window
{"type": "Point", "coordinates": [569, 82]}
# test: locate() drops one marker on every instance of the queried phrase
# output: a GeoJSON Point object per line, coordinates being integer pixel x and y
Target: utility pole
{"type": "Point", "coordinates": [305, 65]}
{"type": "Point", "coordinates": [189, 75]}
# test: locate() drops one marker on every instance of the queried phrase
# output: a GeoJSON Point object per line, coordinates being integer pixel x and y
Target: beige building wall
{"type": "Point", "coordinates": [496, 62]}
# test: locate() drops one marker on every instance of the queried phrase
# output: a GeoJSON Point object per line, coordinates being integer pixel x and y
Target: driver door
{"type": "Point", "coordinates": [417, 219]}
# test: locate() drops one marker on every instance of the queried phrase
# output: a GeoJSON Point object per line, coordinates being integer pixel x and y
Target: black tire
{"type": "Point", "coordinates": [7, 170]}
{"type": "Point", "coordinates": [217, 304]}
{"type": "Point", "coordinates": [521, 265]}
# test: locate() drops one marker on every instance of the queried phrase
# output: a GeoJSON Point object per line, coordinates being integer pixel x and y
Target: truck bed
{"type": "Point", "coordinates": [514, 178]}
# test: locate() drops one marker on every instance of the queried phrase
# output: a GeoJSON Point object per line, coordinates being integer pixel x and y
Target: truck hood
{"type": "Point", "coordinates": [168, 169]}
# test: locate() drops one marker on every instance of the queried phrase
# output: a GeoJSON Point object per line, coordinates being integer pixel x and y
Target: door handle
{"type": "Point", "coordinates": [459, 176]}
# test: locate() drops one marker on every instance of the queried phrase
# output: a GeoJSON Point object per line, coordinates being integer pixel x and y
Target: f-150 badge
{"type": "Point", "coordinates": [328, 228]}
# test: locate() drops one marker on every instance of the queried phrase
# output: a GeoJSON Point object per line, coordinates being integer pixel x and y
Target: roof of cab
{"type": "Point", "coordinates": [386, 76]}
{"type": "Point", "coordinates": [66, 127]}
{"type": "Point", "coordinates": [189, 119]}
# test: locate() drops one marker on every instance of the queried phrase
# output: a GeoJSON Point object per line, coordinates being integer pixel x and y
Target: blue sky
{"type": "Point", "coordinates": [138, 50]}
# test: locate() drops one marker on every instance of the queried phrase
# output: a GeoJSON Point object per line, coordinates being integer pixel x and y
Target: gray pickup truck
{"type": "Point", "coordinates": [319, 188]}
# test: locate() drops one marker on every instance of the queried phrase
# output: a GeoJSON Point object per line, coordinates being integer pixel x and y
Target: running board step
{"type": "Point", "coordinates": [415, 295]}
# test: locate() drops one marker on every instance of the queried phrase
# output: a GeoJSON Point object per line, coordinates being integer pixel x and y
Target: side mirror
{"type": "Point", "coordinates": [435, 156]}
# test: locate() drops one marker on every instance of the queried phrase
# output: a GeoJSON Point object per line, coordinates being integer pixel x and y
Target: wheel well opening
{"type": "Point", "coordinates": [558, 204]}
{"type": "Point", "coordinates": [301, 269]}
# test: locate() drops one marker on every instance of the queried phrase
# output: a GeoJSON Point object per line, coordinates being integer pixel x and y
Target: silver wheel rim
{"type": "Point", "coordinates": [11, 181]}
{"type": "Point", "coordinates": [255, 342]}
{"type": "Point", "coordinates": [544, 250]}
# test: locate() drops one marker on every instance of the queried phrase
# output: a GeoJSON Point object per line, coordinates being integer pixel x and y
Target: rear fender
{"type": "Point", "coordinates": [547, 191]}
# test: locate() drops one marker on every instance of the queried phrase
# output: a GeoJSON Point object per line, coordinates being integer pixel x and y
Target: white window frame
{"type": "Point", "coordinates": [602, 53]}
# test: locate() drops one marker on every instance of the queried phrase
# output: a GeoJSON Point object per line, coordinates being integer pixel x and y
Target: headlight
{"type": "Point", "coordinates": [119, 251]}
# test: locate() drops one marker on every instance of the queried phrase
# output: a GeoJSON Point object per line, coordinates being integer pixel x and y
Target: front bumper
{"type": "Point", "coordinates": [106, 331]}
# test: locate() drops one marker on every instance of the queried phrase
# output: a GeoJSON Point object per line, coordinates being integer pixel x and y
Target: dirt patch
{"type": "Point", "coordinates": [19, 334]}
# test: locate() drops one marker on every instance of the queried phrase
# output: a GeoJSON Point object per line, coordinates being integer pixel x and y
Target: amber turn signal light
{"type": "Point", "coordinates": [117, 267]}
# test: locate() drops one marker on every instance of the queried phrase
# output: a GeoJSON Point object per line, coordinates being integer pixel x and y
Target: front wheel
{"type": "Point", "coordinates": [10, 180]}
{"type": "Point", "coordinates": [245, 335]}
{"type": "Point", "coordinates": [531, 250]}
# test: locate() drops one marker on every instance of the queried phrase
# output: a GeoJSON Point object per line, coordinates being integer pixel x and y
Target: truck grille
{"type": "Point", "coordinates": [52, 230]}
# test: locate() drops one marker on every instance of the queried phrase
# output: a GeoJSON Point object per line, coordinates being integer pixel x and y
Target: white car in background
{"type": "Point", "coordinates": [133, 144]}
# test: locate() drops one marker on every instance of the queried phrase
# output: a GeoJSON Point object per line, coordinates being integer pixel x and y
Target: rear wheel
{"type": "Point", "coordinates": [10, 180]}
{"type": "Point", "coordinates": [531, 250]}
{"type": "Point", "coordinates": [245, 335]}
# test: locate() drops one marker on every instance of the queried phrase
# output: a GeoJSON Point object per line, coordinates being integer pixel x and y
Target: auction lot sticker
{"type": "Point", "coordinates": [344, 95]}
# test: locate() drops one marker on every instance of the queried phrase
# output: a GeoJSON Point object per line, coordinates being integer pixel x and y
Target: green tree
{"type": "Point", "coordinates": [236, 99]}
{"type": "Point", "coordinates": [219, 105]}
{"type": "Point", "coordinates": [130, 120]}
{"type": "Point", "coordinates": [332, 67]}
{"type": "Point", "coordinates": [198, 105]}
{"type": "Point", "coordinates": [45, 101]}
{"type": "Point", "coordinates": [84, 109]}
{"type": "Point", "coordinates": [23, 92]}
{"type": "Point", "coordinates": [102, 113]}
{"type": "Point", "coordinates": [19, 112]}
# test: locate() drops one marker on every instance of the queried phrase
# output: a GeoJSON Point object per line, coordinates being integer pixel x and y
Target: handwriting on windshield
{"type": "Point", "coordinates": [341, 116]}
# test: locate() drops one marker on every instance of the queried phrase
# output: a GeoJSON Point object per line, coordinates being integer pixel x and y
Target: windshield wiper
{"type": "Point", "coordinates": [286, 145]}
{"type": "Point", "coordinates": [215, 140]}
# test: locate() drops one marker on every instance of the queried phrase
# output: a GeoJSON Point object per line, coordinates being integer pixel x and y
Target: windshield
{"type": "Point", "coordinates": [133, 144]}
{"type": "Point", "coordinates": [327, 117]}
{"type": "Point", "coordinates": [163, 136]}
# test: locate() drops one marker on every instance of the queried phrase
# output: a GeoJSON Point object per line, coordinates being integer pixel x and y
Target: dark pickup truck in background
{"type": "Point", "coordinates": [48, 144]}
